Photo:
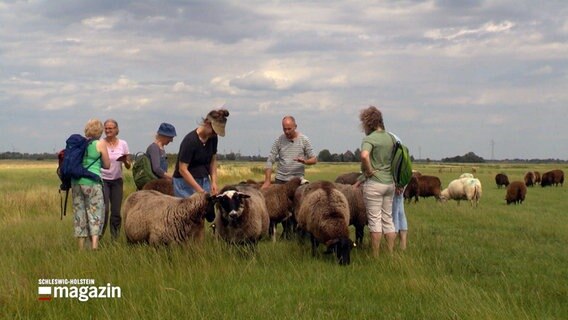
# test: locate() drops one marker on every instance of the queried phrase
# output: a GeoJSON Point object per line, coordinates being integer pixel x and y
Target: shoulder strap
{"type": "Point", "coordinates": [97, 159]}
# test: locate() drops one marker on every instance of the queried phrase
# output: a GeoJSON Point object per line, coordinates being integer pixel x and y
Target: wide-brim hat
{"type": "Point", "coordinates": [218, 126]}
{"type": "Point", "coordinates": [167, 130]}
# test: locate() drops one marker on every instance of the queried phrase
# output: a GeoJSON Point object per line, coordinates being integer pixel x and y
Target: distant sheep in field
{"type": "Point", "coordinates": [241, 215]}
{"type": "Point", "coordinates": [463, 189]}
{"type": "Point", "coordinates": [501, 179]}
{"type": "Point", "coordinates": [348, 178]}
{"type": "Point", "coordinates": [537, 177]}
{"type": "Point", "coordinates": [324, 214]}
{"type": "Point", "coordinates": [280, 204]}
{"type": "Point", "coordinates": [529, 179]}
{"type": "Point", "coordinates": [416, 173]}
{"type": "Point", "coordinates": [156, 218]}
{"type": "Point", "coordinates": [163, 185]}
{"type": "Point", "coordinates": [553, 177]}
{"type": "Point", "coordinates": [357, 209]}
{"type": "Point", "coordinates": [516, 192]}
{"type": "Point", "coordinates": [423, 186]}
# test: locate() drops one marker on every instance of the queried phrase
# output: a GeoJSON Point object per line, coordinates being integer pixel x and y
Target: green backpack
{"type": "Point", "coordinates": [142, 170]}
{"type": "Point", "coordinates": [401, 165]}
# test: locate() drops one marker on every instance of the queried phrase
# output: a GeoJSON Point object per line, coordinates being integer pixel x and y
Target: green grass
{"type": "Point", "coordinates": [491, 262]}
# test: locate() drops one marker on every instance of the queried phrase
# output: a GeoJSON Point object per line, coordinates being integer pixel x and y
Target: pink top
{"type": "Point", "coordinates": [115, 170]}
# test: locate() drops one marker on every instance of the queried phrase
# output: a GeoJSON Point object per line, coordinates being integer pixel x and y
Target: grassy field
{"type": "Point", "coordinates": [491, 262]}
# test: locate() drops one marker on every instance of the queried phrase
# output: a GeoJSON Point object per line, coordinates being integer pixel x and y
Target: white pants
{"type": "Point", "coordinates": [378, 201]}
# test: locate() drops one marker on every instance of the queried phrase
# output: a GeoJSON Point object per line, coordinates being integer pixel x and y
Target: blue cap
{"type": "Point", "coordinates": [167, 130]}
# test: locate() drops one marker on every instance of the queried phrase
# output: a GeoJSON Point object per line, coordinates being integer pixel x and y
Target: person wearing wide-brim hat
{"type": "Point", "coordinates": [156, 151]}
{"type": "Point", "coordinates": [196, 168]}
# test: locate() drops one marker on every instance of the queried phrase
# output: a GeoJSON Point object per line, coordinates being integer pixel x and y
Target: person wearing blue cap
{"type": "Point", "coordinates": [157, 153]}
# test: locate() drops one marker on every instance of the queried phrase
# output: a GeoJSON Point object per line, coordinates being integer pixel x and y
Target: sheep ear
{"type": "Point", "coordinates": [243, 195]}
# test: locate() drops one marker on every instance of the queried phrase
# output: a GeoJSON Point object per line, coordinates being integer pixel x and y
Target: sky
{"type": "Point", "coordinates": [450, 77]}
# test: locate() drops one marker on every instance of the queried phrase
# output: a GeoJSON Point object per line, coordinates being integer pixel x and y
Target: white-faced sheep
{"type": "Point", "coordinates": [280, 204]}
{"type": "Point", "coordinates": [324, 214]}
{"type": "Point", "coordinates": [156, 218]}
{"type": "Point", "coordinates": [463, 189]}
{"type": "Point", "coordinates": [357, 209]}
{"type": "Point", "coordinates": [240, 215]}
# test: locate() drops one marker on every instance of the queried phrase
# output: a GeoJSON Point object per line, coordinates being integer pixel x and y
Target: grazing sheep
{"type": "Point", "coordinates": [529, 179]}
{"type": "Point", "coordinates": [463, 189]}
{"type": "Point", "coordinates": [357, 209]}
{"type": "Point", "coordinates": [501, 179]}
{"type": "Point", "coordinates": [241, 215]}
{"type": "Point", "coordinates": [423, 186]}
{"type": "Point", "coordinates": [537, 177]}
{"type": "Point", "coordinates": [279, 200]}
{"type": "Point", "coordinates": [156, 218]}
{"type": "Point", "coordinates": [324, 214]}
{"type": "Point", "coordinates": [348, 178]}
{"type": "Point", "coordinates": [163, 185]}
{"type": "Point", "coordinates": [553, 177]}
{"type": "Point", "coordinates": [516, 192]}
{"type": "Point", "coordinates": [416, 173]}
{"type": "Point", "coordinates": [466, 175]}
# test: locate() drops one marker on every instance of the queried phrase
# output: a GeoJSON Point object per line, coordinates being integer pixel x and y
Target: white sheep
{"type": "Point", "coordinates": [241, 216]}
{"type": "Point", "coordinates": [153, 217]}
{"type": "Point", "coordinates": [324, 214]}
{"type": "Point", "coordinates": [463, 189]}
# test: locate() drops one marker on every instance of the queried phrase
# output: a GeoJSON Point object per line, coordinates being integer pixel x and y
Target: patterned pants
{"type": "Point", "coordinates": [88, 209]}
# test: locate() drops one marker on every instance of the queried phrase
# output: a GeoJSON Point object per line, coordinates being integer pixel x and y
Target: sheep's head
{"type": "Point", "coordinates": [342, 249]}
{"type": "Point", "coordinates": [230, 204]}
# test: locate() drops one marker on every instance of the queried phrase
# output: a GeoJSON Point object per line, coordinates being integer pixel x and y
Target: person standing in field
{"type": "Point", "coordinates": [378, 188]}
{"type": "Point", "coordinates": [112, 177]}
{"type": "Point", "coordinates": [157, 153]}
{"type": "Point", "coordinates": [398, 214]}
{"type": "Point", "coordinates": [87, 195]}
{"type": "Point", "coordinates": [292, 151]}
{"type": "Point", "coordinates": [196, 168]}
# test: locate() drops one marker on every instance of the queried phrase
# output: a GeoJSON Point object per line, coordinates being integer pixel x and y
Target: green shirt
{"type": "Point", "coordinates": [379, 144]}
{"type": "Point", "coordinates": [91, 156]}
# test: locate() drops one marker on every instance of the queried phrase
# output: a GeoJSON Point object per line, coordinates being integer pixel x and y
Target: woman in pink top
{"type": "Point", "coordinates": [112, 178]}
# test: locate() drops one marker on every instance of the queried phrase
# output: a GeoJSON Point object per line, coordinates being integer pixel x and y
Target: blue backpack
{"type": "Point", "coordinates": [71, 165]}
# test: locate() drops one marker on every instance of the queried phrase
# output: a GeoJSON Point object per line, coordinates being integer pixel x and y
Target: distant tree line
{"type": "Point", "coordinates": [324, 156]}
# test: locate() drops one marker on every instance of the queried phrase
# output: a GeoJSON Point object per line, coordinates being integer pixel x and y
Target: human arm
{"type": "Point", "coordinates": [154, 153]}
{"type": "Point", "coordinates": [269, 162]}
{"type": "Point", "coordinates": [366, 163]}
{"type": "Point", "coordinates": [105, 159]}
{"type": "Point", "coordinates": [308, 157]}
{"type": "Point", "coordinates": [188, 177]}
{"type": "Point", "coordinates": [213, 174]}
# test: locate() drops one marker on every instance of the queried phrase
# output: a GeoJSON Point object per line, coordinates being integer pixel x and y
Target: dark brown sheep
{"type": "Point", "coordinates": [529, 179]}
{"type": "Point", "coordinates": [280, 203]}
{"type": "Point", "coordinates": [501, 179]}
{"type": "Point", "coordinates": [516, 192]}
{"type": "Point", "coordinates": [324, 214]}
{"type": "Point", "coordinates": [553, 177]}
{"type": "Point", "coordinates": [423, 186]}
{"type": "Point", "coordinates": [357, 209]}
{"type": "Point", "coordinates": [348, 178]}
{"type": "Point", "coordinates": [162, 185]}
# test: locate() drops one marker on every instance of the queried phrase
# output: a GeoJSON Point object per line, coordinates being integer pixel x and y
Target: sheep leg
{"type": "Point", "coordinates": [359, 233]}
{"type": "Point", "coordinates": [314, 245]}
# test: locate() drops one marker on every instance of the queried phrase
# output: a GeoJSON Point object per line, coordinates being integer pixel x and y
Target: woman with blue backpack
{"type": "Point", "coordinates": [87, 193]}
